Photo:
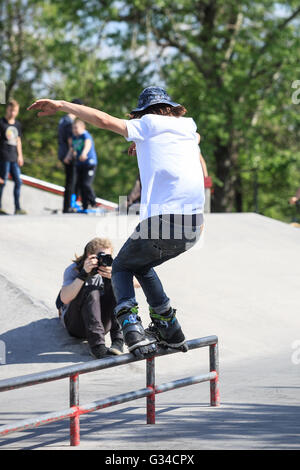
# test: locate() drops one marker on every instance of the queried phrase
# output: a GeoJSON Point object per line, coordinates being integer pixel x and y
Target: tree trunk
{"type": "Point", "coordinates": [227, 197]}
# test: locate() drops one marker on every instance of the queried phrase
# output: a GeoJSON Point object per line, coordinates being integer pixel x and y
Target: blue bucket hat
{"type": "Point", "coordinates": [153, 95]}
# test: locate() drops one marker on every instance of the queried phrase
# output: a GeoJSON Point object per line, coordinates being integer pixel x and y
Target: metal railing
{"type": "Point", "coordinates": [76, 410]}
{"type": "Point", "coordinates": [59, 190]}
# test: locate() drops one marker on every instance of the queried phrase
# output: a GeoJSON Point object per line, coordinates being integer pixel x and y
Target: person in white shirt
{"type": "Point", "coordinates": [134, 196]}
{"type": "Point", "coordinates": [171, 212]}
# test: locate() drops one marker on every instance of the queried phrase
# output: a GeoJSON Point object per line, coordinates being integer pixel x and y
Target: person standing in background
{"type": "Point", "coordinates": [83, 149]}
{"type": "Point", "coordinates": [65, 134]}
{"type": "Point", "coordinates": [11, 154]}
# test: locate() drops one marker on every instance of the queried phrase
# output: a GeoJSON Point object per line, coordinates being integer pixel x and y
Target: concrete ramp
{"type": "Point", "coordinates": [32, 334]}
{"type": "Point", "coordinates": [40, 197]}
{"type": "Point", "coordinates": [34, 201]}
{"type": "Point", "coordinates": [241, 282]}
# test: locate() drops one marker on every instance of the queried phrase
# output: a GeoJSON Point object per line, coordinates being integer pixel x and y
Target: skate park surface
{"type": "Point", "coordinates": [241, 283]}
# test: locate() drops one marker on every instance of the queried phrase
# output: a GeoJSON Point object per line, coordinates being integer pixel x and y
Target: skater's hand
{"type": "Point", "coordinates": [293, 200]}
{"type": "Point", "coordinates": [105, 271]}
{"type": "Point", "coordinates": [90, 263]}
{"type": "Point", "coordinates": [46, 107]}
{"type": "Point", "coordinates": [132, 150]}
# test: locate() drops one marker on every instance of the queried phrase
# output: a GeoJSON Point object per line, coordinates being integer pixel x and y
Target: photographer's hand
{"type": "Point", "coordinates": [70, 292]}
{"type": "Point", "coordinates": [105, 271]}
{"type": "Point", "coordinates": [90, 263]}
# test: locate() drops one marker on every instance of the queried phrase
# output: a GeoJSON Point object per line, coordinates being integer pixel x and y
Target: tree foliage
{"type": "Point", "coordinates": [232, 64]}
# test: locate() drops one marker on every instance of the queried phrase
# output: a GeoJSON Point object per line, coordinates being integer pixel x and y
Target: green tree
{"type": "Point", "coordinates": [50, 50]}
{"type": "Point", "coordinates": [231, 63]}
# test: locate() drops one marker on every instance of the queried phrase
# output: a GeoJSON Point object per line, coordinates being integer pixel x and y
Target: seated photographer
{"type": "Point", "coordinates": [86, 301]}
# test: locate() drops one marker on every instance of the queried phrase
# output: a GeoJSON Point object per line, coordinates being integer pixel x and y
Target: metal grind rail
{"type": "Point", "coordinates": [149, 392]}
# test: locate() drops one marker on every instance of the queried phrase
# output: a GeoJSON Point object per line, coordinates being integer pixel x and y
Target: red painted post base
{"type": "Point", "coordinates": [75, 431]}
{"type": "Point", "coordinates": [214, 367]}
{"type": "Point", "coordinates": [74, 403]}
{"type": "Point", "coordinates": [151, 384]}
{"type": "Point", "coordinates": [214, 391]}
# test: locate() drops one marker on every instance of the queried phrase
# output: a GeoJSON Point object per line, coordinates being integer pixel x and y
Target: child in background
{"type": "Point", "coordinates": [83, 149]}
{"type": "Point", "coordinates": [11, 154]}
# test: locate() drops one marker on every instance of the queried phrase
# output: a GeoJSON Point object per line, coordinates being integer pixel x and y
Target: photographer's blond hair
{"type": "Point", "coordinates": [92, 248]}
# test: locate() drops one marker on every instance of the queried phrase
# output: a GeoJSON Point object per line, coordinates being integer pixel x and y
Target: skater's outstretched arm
{"type": "Point", "coordinates": [90, 115]}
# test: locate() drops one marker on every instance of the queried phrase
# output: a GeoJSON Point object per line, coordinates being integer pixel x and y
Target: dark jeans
{"type": "Point", "coordinates": [15, 172]}
{"type": "Point", "coordinates": [70, 185]}
{"type": "Point", "coordinates": [91, 315]}
{"type": "Point", "coordinates": [154, 241]}
{"type": "Point", "coordinates": [85, 178]}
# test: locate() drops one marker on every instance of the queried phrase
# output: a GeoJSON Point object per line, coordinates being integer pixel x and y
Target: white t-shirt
{"type": "Point", "coordinates": [170, 170]}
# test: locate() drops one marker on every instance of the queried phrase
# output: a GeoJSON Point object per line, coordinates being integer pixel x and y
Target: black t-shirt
{"type": "Point", "coordinates": [9, 134]}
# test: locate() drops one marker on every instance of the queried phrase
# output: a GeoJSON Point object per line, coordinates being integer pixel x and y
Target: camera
{"type": "Point", "coordinates": [104, 259]}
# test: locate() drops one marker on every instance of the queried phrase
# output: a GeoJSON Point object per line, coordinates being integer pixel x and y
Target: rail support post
{"type": "Point", "coordinates": [74, 402]}
{"type": "Point", "coordinates": [150, 368]}
{"type": "Point", "coordinates": [214, 367]}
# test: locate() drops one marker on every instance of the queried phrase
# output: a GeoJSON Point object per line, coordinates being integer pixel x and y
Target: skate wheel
{"type": "Point", "coordinates": [145, 351]}
{"type": "Point", "coordinates": [138, 353]}
{"type": "Point", "coordinates": [184, 348]}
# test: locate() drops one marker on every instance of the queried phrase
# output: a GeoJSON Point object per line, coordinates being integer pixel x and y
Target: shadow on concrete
{"type": "Point", "coordinates": [44, 340]}
{"type": "Point", "coordinates": [181, 426]}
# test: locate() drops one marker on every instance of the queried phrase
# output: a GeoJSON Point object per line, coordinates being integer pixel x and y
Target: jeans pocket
{"type": "Point", "coordinates": [169, 247]}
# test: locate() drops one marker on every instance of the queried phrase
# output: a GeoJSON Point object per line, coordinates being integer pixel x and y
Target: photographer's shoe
{"type": "Point", "coordinates": [134, 333]}
{"type": "Point", "coordinates": [117, 347]}
{"type": "Point", "coordinates": [100, 352]}
{"type": "Point", "coordinates": [167, 329]}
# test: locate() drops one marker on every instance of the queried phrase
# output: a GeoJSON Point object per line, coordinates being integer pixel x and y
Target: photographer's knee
{"type": "Point", "coordinates": [94, 293]}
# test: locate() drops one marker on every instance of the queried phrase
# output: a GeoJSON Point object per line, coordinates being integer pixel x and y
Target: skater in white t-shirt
{"type": "Point", "coordinates": [171, 211]}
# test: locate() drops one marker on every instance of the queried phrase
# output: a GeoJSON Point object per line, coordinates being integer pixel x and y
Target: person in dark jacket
{"type": "Point", "coordinates": [65, 134]}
